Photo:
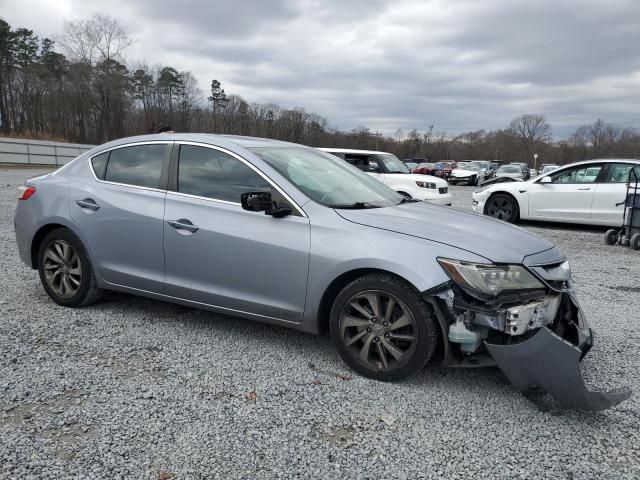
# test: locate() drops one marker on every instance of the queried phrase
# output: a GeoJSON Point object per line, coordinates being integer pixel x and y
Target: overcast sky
{"type": "Point", "coordinates": [459, 65]}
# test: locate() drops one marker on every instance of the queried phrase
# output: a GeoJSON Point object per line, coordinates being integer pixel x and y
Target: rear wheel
{"type": "Point", "coordinates": [503, 207]}
{"type": "Point", "coordinates": [634, 242]}
{"type": "Point", "coordinates": [65, 270]}
{"type": "Point", "coordinates": [611, 237]}
{"type": "Point", "coordinates": [382, 328]}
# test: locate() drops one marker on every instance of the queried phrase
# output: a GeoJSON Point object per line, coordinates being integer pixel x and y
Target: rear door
{"type": "Point", "coordinates": [218, 254]}
{"type": "Point", "coordinates": [569, 195]}
{"type": "Point", "coordinates": [612, 190]}
{"type": "Point", "coordinates": [121, 213]}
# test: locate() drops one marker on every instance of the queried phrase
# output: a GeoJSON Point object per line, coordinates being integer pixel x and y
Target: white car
{"type": "Point", "coordinates": [583, 192]}
{"type": "Point", "coordinates": [466, 172]}
{"type": "Point", "coordinates": [391, 171]}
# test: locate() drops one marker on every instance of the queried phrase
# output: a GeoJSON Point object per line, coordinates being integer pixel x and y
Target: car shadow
{"type": "Point", "coordinates": [318, 355]}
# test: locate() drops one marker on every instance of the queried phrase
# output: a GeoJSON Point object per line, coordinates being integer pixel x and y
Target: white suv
{"type": "Point", "coordinates": [388, 169]}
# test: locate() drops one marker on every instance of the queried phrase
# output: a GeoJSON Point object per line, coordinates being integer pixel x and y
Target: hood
{"type": "Point", "coordinates": [461, 172]}
{"type": "Point", "coordinates": [509, 175]}
{"type": "Point", "coordinates": [494, 240]}
{"type": "Point", "coordinates": [416, 177]}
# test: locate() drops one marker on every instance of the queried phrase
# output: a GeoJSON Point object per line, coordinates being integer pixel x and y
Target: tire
{"type": "Point", "coordinates": [66, 272]}
{"type": "Point", "coordinates": [611, 237]}
{"type": "Point", "coordinates": [634, 242]}
{"type": "Point", "coordinates": [406, 336]}
{"type": "Point", "coordinates": [453, 181]}
{"type": "Point", "coordinates": [503, 207]}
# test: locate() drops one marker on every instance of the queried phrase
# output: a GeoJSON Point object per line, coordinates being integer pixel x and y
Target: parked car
{"type": "Point", "coordinates": [548, 168]}
{"type": "Point", "coordinates": [425, 169]}
{"type": "Point", "coordinates": [466, 172]}
{"type": "Point", "coordinates": [511, 171]}
{"type": "Point", "coordinates": [533, 172]}
{"type": "Point", "coordinates": [583, 192]}
{"type": "Point", "coordinates": [525, 169]}
{"type": "Point", "coordinates": [388, 169]}
{"type": "Point", "coordinates": [485, 168]}
{"type": "Point", "coordinates": [290, 235]}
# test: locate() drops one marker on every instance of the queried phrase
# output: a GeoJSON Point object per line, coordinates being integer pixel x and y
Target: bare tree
{"type": "Point", "coordinates": [530, 129]}
{"type": "Point", "coordinates": [94, 40]}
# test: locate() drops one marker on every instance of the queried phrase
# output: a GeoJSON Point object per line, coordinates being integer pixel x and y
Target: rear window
{"type": "Point", "coordinates": [99, 164]}
{"type": "Point", "coordinates": [140, 165]}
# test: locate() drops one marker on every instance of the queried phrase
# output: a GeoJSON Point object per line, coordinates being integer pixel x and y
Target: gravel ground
{"type": "Point", "coordinates": [137, 388]}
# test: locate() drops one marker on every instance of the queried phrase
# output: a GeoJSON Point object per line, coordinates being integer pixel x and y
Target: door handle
{"type": "Point", "coordinates": [586, 188]}
{"type": "Point", "coordinates": [183, 224]}
{"type": "Point", "coordinates": [89, 203]}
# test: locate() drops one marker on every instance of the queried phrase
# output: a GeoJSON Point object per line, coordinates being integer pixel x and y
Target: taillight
{"type": "Point", "coordinates": [25, 192]}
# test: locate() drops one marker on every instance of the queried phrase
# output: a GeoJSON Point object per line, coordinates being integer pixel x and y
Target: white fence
{"type": "Point", "coordinates": [38, 152]}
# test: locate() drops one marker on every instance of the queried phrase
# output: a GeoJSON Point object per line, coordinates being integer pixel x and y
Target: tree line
{"type": "Point", "coordinates": [79, 89]}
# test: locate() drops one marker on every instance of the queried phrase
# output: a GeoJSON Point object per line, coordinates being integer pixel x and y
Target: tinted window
{"type": "Point", "coordinates": [206, 172]}
{"type": "Point", "coordinates": [99, 163]}
{"type": "Point", "coordinates": [619, 173]}
{"type": "Point", "coordinates": [140, 165]}
{"type": "Point", "coordinates": [582, 174]}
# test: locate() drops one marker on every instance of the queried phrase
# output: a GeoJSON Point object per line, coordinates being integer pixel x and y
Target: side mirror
{"type": "Point", "coordinates": [545, 180]}
{"type": "Point", "coordinates": [262, 202]}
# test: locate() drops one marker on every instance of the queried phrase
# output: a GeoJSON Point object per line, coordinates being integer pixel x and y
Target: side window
{"type": "Point", "coordinates": [582, 174]}
{"type": "Point", "coordinates": [140, 165]}
{"type": "Point", "coordinates": [99, 164]}
{"type": "Point", "coordinates": [618, 173]}
{"type": "Point", "coordinates": [210, 173]}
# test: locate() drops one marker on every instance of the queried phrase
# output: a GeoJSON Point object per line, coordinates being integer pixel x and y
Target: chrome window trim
{"type": "Point", "coordinates": [135, 144]}
{"type": "Point", "coordinates": [248, 164]}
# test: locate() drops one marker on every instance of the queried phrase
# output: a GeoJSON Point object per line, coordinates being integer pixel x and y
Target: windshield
{"type": "Point", "coordinates": [392, 163]}
{"type": "Point", "coordinates": [509, 169]}
{"type": "Point", "coordinates": [327, 179]}
{"type": "Point", "coordinates": [467, 166]}
{"type": "Point", "coordinates": [484, 165]}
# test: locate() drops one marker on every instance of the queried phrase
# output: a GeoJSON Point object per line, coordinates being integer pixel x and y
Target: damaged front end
{"type": "Point", "coordinates": [524, 319]}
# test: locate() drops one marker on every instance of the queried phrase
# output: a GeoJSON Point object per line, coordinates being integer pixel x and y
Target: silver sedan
{"type": "Point", "coordinates": [286, 234]}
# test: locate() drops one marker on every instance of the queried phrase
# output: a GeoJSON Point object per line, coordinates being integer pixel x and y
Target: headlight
{"type": "Point", "coordinates": [489, 279]}
{"type": "Point", "coordinates": [426, 184]}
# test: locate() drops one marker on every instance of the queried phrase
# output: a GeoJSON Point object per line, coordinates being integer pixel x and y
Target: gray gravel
{"type": "Point", "coordinates": [133, 388]}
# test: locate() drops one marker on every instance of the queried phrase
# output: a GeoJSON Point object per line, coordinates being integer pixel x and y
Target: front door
{"type": "Point", "coordinates": [567, 197]}
{"type": "Point", "coordinates": [218, 254]}
{"type": "Point", "coordinates": [611, 191]}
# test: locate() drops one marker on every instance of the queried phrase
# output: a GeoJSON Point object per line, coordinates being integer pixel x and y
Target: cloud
{"type": "Point", "coordinates": [458, 65]}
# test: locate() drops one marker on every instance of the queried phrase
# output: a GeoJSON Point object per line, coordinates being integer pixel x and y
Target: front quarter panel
{"type": "Point", "coordinates": [339, 246]}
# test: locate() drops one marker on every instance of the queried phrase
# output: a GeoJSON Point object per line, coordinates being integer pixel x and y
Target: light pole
{"type": "Point", "coordinates": [535, 161]}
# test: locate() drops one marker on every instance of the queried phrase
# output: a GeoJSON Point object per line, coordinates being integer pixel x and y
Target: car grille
{"type": "Point", "coordinates": [443, 190]}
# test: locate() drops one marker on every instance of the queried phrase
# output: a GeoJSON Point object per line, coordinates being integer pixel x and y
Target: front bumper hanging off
{"type": "Point", "coordinates": [548, 362]}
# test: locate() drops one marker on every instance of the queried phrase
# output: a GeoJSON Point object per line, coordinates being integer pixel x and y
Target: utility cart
{"type": "Point", "coordinates": [629, 233]}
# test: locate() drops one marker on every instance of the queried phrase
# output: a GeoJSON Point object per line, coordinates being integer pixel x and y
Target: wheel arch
{"type": "Point", "coordinates": [44, 230]}
{"type": "Point", "coordinates": [509, 194]}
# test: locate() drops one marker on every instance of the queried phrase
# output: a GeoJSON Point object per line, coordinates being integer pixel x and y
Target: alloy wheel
{"type": "Point", "coordinates": [501, 208]}
{"type": "Point", "coordinates": [378, 330]}
{"type": "Point", "coordinates": [62, 269]}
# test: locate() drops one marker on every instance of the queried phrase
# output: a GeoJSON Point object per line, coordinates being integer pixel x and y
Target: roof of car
{"type": "Point", "coordinates": [211, 138]}
{"type": "Point", "coordinates": [349, 150]}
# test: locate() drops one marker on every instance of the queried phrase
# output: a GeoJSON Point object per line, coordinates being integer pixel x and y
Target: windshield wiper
{"type": "Point", "coordinates": [354, 206]}
{"type": "Point", "coordinates": [408, 200]}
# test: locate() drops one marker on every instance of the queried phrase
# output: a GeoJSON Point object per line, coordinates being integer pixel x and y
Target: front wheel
{"type": "Point", "coordinates": [634, 242]}
{"type": "Point", "coordinates": [65, 270]}
{"type": "Point", "coordinates": [503, 207]}
{"type": "Point", "coordinates": [382, 328]}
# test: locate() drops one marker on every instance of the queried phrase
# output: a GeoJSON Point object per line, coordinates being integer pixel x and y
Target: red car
{"type": "Point", "coordinates": [439, 169]}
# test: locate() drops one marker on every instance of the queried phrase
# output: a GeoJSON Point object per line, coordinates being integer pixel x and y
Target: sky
{"type": "Point", "coordinates": [458, 65]}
